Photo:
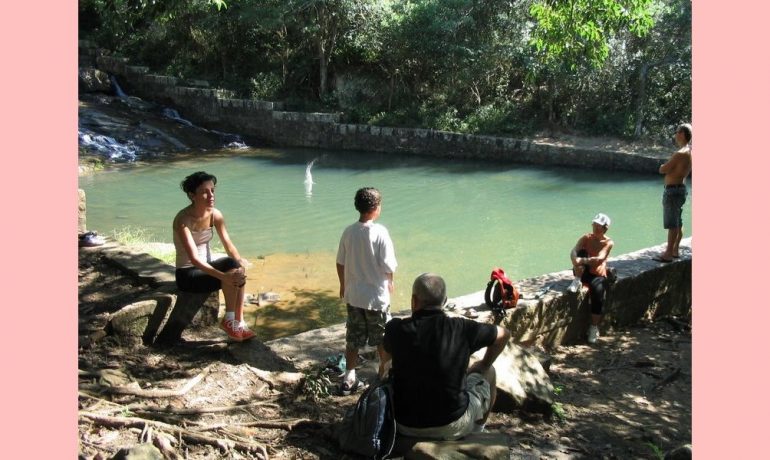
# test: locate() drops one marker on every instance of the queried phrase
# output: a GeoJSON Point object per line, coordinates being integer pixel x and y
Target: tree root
{"type": "Point", "coordinates": [133, 390]}
{"type": "Point", "coordinates": [189, 436]}
{"type": "Point", "coordinates": [145, 408]}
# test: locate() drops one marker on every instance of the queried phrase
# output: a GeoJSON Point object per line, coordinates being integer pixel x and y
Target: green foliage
{"type": "Point", "coordinates": [141, 239]}
{"type": "Point", "coordinates": [657, 451]}
{"type": "Point", "coordinates": [558, 410]}
{"type": "Point", "coordinates": [569, 33]}
{"type": "Point", "coordinates": [265, 86]}
{"type": "Point", "coordinates": [315, 385]}
{"type": "Point", "coordinates": [509, 67]}
{"type": "Point", "coordinates": [131, 236]}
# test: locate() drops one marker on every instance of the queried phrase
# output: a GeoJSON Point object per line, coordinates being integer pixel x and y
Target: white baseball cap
{"type": "Point", "coordinates": [602, 219]}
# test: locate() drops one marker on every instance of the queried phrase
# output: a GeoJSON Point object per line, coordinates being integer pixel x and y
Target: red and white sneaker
{"type": "Point", "coordinates": [233, 329]}
{"type": "Point", "coordinates": [246, 333]}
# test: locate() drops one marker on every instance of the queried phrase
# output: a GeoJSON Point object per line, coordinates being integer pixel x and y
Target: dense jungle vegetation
{"type": "Point", "coordinates": [505, 67]}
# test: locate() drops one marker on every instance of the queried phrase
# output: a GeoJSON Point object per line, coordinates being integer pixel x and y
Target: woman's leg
{"type": "Point", "coordinates": [234, 296]}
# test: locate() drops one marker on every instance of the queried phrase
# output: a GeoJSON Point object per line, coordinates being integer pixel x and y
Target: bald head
{"type": "Point", "coordinates": [428, 290]}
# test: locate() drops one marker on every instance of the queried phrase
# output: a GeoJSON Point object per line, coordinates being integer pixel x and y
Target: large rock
{"type": "Point", "coordinates": [138, 452]}
{"type": "Point", "coordinates": [522, 383]}
{"type": "Point", "coordinates": [189, 308]}
{"type": "Point", "coordinates": [490, 446]}
{"type": "Point", "coordinates": [131, 320]}
{"type": "Point", "coordinates": [92, 80]}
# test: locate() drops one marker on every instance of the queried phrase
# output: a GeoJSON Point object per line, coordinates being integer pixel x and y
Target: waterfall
{"type": "Point", "coordinates": [107, 145]}
{"type": "Point", "coordinates": [232, 141]}
{"type": "Point", "coordinates": [114, 138]}
{"type": "Point", "coordinates": [118, 91]}
{"type": "Point", "coordinates": [174, 115]}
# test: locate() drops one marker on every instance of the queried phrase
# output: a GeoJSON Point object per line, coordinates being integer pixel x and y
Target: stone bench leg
{"type": "Point", "coordinates": [186, 306]}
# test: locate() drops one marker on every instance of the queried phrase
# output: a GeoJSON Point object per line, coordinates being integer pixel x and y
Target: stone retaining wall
{"type": "Point", "coordinates": [268, 123]}
{"type": "Point", "coordinates": [644, 289]}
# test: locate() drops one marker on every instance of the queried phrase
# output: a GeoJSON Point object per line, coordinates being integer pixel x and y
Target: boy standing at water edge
{"type": "Point", "coordinates": [366, 261]}
{"type": "Point", "coordinates": [675, 172]}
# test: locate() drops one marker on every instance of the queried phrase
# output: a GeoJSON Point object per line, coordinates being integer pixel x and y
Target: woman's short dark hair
{"type": "Point", "coordinates": [367, 199]}
{"type": "Point", "coordinates": [191, 183]}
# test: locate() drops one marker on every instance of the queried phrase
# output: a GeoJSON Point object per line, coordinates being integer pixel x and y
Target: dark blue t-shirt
{"type": "Point", "coordinates": [430, 357]}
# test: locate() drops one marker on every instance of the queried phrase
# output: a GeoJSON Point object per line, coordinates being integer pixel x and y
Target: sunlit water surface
{"type": "Point", "coordinates": [457, 218]}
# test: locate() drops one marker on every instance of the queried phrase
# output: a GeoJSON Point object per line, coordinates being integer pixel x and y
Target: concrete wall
{"type": "Point", "coordinates": [268, 123]}
{"type": "Point", "coordinates": [644, 289]}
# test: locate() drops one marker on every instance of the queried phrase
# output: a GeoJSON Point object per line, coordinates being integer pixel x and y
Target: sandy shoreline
{"type": "Point", "coordinates": [306, 284]}
{"type": "Point", "coordinates": [308, 289]}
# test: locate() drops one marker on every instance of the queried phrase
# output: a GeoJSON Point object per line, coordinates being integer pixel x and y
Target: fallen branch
{"type": "Point", "coordinates": [194, 410]}
{"type": "Point", "coordinates": [189, 436]}
{"type": "Point", "coordinates": [133, 390]}
{"type": "Point", "coordinates": [668, 379]}
{"type": "Point", "coordinates": [288, 425]}
{"type": "Point", "coordinates": [678, 325]}
{"type": "Point", "coordinates": [285, 378]}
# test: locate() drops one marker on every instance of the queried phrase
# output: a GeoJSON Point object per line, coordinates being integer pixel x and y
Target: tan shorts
{"type": "Point", "coordinates": [478, 405]}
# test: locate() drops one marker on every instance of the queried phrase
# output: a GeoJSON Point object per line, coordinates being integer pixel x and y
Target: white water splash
{"type": "Point", "coordinates": [309, 178]}
{"type": "Point", "coordinates": [174, 115]}
{"type": "Point", "coordinates": [107, 146]}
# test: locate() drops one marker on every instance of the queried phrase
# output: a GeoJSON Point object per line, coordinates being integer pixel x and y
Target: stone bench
{"type": "Point", "coordinates": [167, 310]}
{"type": "Point", "coordinates": [159, 317]}
{"type": "Point", "coordinates": [183, 313]}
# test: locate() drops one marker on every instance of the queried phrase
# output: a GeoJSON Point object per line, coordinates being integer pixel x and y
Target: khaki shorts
{"type": "Point", "coordinates": [365, 327]}
{"type": "Point", "coordinates": [478, 406]}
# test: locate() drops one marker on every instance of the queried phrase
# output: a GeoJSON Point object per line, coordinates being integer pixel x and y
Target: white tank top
{"type": "Point", "coordinates": [201, 239]}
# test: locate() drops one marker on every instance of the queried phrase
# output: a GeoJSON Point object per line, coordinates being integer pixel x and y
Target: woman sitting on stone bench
{"type": "Point", "coordinates": [195, 271]}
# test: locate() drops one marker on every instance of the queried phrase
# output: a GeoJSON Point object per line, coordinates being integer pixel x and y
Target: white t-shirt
{"type": "Point", "coordinates": [367, 253]}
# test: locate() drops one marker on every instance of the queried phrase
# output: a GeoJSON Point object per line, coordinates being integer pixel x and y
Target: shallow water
{"type": "Point", "coordinates": [457, 218]}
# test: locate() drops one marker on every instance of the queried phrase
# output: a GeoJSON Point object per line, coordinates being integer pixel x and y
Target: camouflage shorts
{"type": "Point", "coordinates": [365, 327]}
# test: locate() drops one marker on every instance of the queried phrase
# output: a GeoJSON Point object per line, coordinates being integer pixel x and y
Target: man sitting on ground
{"type": "Point", "coordinates": [436, 394]}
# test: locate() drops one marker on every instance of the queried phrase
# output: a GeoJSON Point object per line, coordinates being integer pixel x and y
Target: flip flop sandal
{"type": "Point", "coordinates": [662, 260]}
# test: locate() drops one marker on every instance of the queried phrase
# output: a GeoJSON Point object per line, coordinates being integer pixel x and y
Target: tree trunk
{"type": "Point", "coordinates": [322, 72]}
{"type": "Point", "coordinates": [323, 53]}
{"type": "Point", "coordinates": [642, 90]}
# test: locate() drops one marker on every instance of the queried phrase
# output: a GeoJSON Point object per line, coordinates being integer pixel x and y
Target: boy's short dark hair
{"type": "Point", "coordinates": [367, 199]}
{"type": "Point", "coordinates": [191, 183]}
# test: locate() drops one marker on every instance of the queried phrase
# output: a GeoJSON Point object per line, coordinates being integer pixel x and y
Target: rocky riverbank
{"type": "Point", "coordinates": [627, 397]}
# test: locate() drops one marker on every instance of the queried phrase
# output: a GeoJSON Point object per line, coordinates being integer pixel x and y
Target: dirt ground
{"type": "Point", "coordinates": [629, 396]}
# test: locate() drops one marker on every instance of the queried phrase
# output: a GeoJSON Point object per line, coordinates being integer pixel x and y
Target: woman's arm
{"type": "Point", "coordinates": [224, 237]}
{"type": "Point", "coordinates": [183, 233]}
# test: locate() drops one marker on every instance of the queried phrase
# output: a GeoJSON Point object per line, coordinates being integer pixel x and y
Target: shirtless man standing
{"type": "Point", "coordinates": [675, 171]}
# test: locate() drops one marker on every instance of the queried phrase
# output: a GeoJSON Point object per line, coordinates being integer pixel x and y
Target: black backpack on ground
{"type": "Point", "coordinates": [369, 428]}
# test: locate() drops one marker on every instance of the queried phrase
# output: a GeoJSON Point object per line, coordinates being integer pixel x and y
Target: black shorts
{"type": "Point", "coordinates": [193, 279]}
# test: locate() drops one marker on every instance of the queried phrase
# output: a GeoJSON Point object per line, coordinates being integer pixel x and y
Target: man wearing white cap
{"type": "Point", "coordinates": [589, 261]}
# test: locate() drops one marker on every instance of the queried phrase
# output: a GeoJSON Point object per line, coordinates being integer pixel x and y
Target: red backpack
{"type": "Point", "coordinates": [501, 293]}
